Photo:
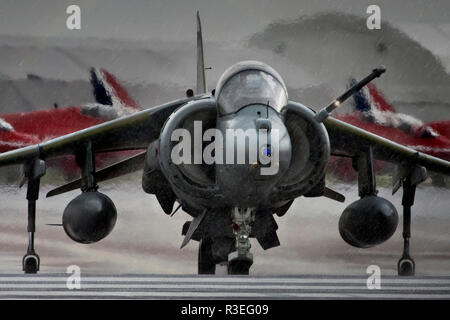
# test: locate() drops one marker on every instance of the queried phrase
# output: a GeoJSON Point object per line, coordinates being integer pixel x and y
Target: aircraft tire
{"type": "Point", "coordinates": [239, 267]}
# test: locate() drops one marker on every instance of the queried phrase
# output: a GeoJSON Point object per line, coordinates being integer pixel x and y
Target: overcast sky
{"type": "Point", "coordinates": [224, 19]}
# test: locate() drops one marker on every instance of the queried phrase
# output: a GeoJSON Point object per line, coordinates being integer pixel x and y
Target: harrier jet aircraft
{"type": "Point", "coordinates": [231, 201]}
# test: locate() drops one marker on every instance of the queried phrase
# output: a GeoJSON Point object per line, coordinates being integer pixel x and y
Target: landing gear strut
{"type": "Point", "coordinates": [34, 170]}
{"type": "Point", "coordinates": [367, 185]}
{"type": "Point", "coordinates": [240, 261]}
{"type": "Point", "coordinates": [411, 178]}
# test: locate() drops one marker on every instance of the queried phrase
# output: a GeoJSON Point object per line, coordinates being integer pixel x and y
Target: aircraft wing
{"type": "Point", "coordinates": [135, 131]}
{"type": "Point", "coordinates": [346, 139]}
{"type": "Point", "coordinates": [138, 130]}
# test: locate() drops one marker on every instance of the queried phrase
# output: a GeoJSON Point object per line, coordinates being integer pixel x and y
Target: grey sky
{"type": "Point", "coordinates": [224, 19]}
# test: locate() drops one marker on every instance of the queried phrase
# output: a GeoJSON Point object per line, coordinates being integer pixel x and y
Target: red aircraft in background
{"type": "Point", "coordinates": [373, 113]}
{"type": "Point", "coordinates": [22, 129]}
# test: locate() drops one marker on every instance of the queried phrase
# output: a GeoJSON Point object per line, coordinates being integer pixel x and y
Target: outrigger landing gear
{"type": "Point", "coordinates": [411, 178]}
{"type": "Point", "coordinates": [240, 261]}
{"type": "Point", "coordinates": [34, 170]}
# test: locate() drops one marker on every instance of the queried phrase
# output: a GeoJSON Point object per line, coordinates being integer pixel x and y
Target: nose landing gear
{"type": "Point", "coordinates": [240, 261]}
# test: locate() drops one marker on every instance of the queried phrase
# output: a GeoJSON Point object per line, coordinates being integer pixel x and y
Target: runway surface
{"type": "Point", "coordinates": [54, 286]}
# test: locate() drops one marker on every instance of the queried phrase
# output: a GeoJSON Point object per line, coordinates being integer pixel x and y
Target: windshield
{"type": "Point", "coordinates": [251, 87]}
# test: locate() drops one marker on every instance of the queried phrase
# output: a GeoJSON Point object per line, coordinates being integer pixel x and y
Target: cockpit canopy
{"type": "Point", "coordinates": [247, 83]}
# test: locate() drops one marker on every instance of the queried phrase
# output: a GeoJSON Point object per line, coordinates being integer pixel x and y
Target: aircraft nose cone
{"type": "Point", "coordinates": [257, 151]}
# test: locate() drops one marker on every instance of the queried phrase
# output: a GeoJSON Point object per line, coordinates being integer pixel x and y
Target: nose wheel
{"type": "Point", "coordinates": [239, 265]}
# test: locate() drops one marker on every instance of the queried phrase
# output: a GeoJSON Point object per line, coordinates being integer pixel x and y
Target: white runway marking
{"type": "Point", "coordinates": [46, 286]}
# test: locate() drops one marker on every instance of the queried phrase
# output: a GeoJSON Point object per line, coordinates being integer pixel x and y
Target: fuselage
{"type": "Point", "coordinates": [246, 146]}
